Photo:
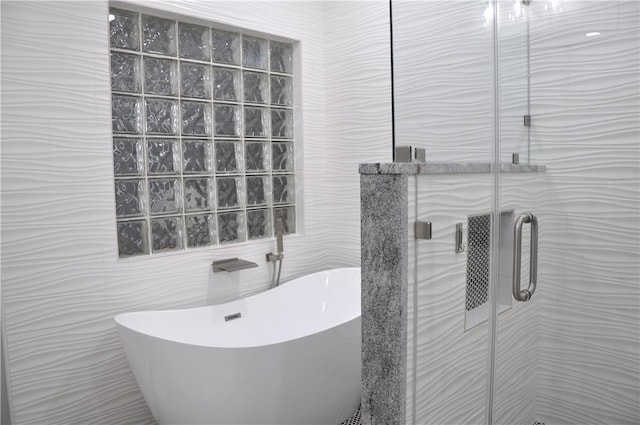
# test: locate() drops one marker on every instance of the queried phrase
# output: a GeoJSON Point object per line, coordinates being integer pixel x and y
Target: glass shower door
{"type": "Point", "coordinates": [443, 95]}
{"type": "Point", "coordinates": [571, 353]}
{"type": "Point", "coordinates": [560, 91]}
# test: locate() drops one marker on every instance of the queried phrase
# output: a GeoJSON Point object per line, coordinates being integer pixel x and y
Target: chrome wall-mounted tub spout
{"type": "Point", "coordinates": [278, 256]}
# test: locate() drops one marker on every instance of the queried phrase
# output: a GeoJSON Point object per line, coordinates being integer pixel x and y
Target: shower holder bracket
{"type": "Point", "coordinates": [462, 243]}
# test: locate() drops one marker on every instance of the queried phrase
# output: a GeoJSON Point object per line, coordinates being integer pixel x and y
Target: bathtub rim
{"type": "Point", "coordinates": [121, 324]}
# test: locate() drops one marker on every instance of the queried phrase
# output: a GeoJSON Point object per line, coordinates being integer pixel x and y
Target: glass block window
{"type": "Point", "coordinates": [203, 134]}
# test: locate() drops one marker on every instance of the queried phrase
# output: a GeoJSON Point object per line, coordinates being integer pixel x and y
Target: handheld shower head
{"type": "Point", "coordinates": [279, 244]}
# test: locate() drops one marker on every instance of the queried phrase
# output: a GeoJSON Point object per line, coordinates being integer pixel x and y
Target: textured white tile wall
{"type": "Point", "coordinates": [450, 368]}
{"type": "Point", "coordinates": [518, 342]}
{"type": "Point", "coordinates": [512, 46]}
{"type": "Point", "coordinates": [442, 70]}
{"type": "Point", "coordinates": [585, 100]}
{"type": "Point", "coordinates": [62, 282]}
{"type": "Point", "coordinates": [358, 100]}
{"type": "Point", "coordinates": [451, 365]}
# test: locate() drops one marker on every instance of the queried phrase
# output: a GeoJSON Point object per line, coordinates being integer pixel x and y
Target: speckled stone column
{"type": "Point", "coordinates": [384, 233]}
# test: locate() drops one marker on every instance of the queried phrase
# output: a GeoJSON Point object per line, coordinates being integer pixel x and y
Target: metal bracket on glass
{"type": "Point", "coordinates": [462, 241]}
{"type": "Point", "coordinates": [423, 230]}
{"type": "Point", "coordinates": [232, 265]}
{"type": "Point", "coordinates": [527, 120]}
{"type": "Point", "coordinates": [404, 154]}
{"type": "Point", "coordinates": [525, 294]}
{"type": "Point", "coordinates": [410, 154]}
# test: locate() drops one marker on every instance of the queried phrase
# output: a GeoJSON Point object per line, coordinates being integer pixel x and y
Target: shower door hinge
{"type": "Point", "coordinates": [527, 120]}
{"type": "Point", "coordinates": [423, 230]}
{"type": "Point", "coordinates": [410, 154]}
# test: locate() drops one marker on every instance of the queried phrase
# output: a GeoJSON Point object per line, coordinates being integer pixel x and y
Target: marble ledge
{"type": "Point", "coordinates": [415, 168]}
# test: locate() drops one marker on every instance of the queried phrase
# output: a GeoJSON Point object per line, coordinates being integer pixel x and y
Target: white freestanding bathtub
{"type": "Point", "coordinates": [289, 355]}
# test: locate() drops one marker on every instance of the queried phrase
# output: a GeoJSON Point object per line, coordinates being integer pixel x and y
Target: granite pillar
{"type": "Point", "coordinates": [384, 237]}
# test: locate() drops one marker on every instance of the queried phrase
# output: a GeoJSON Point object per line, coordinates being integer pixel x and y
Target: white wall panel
{"type": "Point", "coordinates": [585, 100]}
{"type": "Point", "coordinates": [61, 279]}
{"type": "Point", "coordinates": [451, 364]}
{"type": "Point", "coordinates": [62, 282]}
{"type": "Point", "coordinates": [442, 72]}
{"type": "Point", "coordinates": [358, 105]}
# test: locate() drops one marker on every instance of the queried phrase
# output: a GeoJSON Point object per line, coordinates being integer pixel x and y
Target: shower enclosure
{"type": "Point", "coordinates": [545, 82]}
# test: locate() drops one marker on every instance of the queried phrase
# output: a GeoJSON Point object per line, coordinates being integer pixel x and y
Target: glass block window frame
{"type": "Point", "coordinates": [203, 134]}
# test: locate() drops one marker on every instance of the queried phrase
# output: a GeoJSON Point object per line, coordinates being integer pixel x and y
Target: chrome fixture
{"type": "Point", "coordinates": [422, 229]}
{"type": "Point", "coordinates": [278, 256]}
{"type": "Point", "coordinates": [233, 316]}
{"type": "Point", "coordinates": [525, 294]}
{"type": "Point", "coordinates": [404, 154]}
{"type": "Point", "coordinates": [515, 158]}
{"type": "Point", "coordinates": [232, 265]}
{"type": "Point", "coordinates": [462, 242]}
{"type": "Point", "coordinates": [410, 154]}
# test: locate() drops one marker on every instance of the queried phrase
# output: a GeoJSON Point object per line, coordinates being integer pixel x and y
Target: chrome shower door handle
{"type": "Point", "coordinates": [525, 294]}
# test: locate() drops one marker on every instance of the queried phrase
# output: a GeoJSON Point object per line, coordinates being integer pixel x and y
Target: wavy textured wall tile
{"type": "Point", "coordinates": [442, 76]}
{"type": "Point", "coordinates": [62, 283]}
{"type": "Point", "coordinates": [451, 364]}
{"type": "Point", "coordinates": [358, 120]}
{"type": "Point", "coordinates": [585, 97]}
{"type": "Point", "coordinates": [519, 328]}
{"type": "Point", "coordinates": [450, 373]}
